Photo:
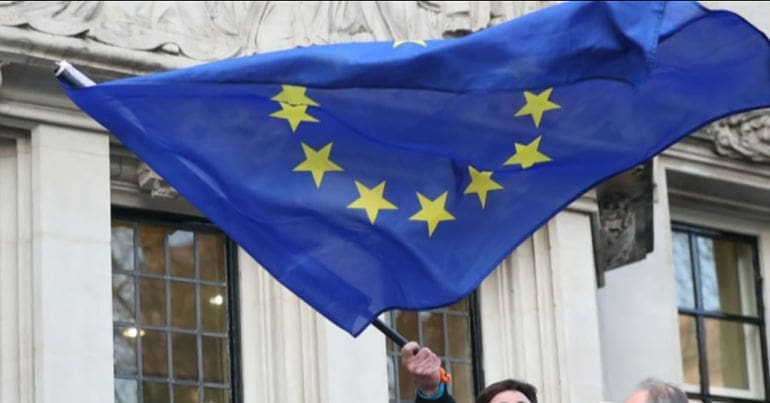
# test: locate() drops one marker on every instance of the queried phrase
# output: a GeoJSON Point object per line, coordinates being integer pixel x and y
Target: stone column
{"type": "Point", "coordinates": [638, 314]}
{"type": "Point", "coordinates": [16, 353]}
{"type": "Point", "coordinates": [71, 279]}
{"type": "Point", "coordinates": [300, 355]}
{"type": "Point", "coordinates": [539, 315]}
{"type": "Point", "coordinates": [281, 341]}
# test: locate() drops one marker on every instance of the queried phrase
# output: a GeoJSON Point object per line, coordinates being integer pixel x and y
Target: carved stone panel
{"type": "Point", "coordinates": [212, 30]}
{"type": "Point", "coordinates": [745, 136]}
{"type": "Point", "coordinates": [150, 180]}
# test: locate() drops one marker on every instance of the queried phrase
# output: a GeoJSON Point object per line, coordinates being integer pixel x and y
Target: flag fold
{"type": "Point", "coordinates": [371, 176]}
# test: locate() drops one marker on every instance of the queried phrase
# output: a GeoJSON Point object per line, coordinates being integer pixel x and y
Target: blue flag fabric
{"type": "Point", "coordinates": [372, 176]}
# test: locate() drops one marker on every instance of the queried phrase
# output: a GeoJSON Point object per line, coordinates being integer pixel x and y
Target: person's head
{"type": "Point", "coordinates": [508, 391]}
{"type": "Point", "coordinates": [654, 391]}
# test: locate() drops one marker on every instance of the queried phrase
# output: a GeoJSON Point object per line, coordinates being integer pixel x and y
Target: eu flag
{"type": "Point", "coordinates": [372, 176]}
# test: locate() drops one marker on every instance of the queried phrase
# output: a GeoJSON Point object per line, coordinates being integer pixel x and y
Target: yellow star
{"type": "Point", "coordinates": [294, 95]}
{"type": "Point", "coordinates": [317, 162]}
{"type": "Point", "coordinates": [536, 105]}
{"type": "Point", "coordinates": [481, 183]}
{"type": "Point", "coordinates": [432, 212]}
{"type": "Point", "coordinates": [294, 114]}
{"type": "Point", "coordinates": [372, 200]}
{"type": "Point", "coordinates": [399, 42]}
{"type": "Point", "coordinates": [527, 155]}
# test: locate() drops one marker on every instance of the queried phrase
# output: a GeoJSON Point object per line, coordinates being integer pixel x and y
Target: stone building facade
{"type": "Point", "coordinates": [113, 288]}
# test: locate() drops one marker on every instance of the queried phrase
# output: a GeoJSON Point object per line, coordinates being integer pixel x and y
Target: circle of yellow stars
{"type": "Point", "coordinates": [294, 104]}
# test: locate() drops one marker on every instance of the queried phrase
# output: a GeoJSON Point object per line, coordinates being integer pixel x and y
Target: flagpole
{"type": "Point", "coordinates": [400, 340]}
{"type": "Point", "coordinates": [391, 333]}
{"type": "Point", "coordinates": [72, 75]}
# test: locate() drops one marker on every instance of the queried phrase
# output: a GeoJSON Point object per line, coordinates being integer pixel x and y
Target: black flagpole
{"type": "Point", "coordinates": [390, 332]}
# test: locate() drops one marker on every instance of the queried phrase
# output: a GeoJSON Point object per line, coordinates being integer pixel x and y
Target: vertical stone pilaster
{"type": "Point", "coordinates": [539, 315]}
{"type": "Point", "coordinates": [71, 277]}
{"type": "Point", "coordinates": [282, 341]}
{"type": "Point", "coordinates": [16, 353]}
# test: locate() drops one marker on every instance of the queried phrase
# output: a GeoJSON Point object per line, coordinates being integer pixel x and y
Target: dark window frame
{"type": "Point", "coordinates": [700, 314]}
{"type": "Point", "coordinates": [232, 284]}
{"type": "Point", "coordinates": [477, 364]}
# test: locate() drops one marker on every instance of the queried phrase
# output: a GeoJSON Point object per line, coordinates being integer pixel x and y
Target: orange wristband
{"type": "Point", "coordinates": [444, 376]}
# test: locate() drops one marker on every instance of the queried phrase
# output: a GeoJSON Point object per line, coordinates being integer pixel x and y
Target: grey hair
{"type": "Point", "coordinates": [662, 392]}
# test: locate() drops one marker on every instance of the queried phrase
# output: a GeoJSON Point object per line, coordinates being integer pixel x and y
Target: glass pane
{"type": "Point", "coordinates": [155, 392]}
{"type": "Point", "coordinates": [215, 359]}
{"type": "Point", "coordinates": [746, 273]}
{"type": "Point", "coordinates": [433, 331]}
{"type": "Point", "coordinates": [124, 350]}
{"type": "Point", "coordinates": [185, 394]}
{"type": "Point", "coordinates": [211, 395]}
{"type": "Point", "coordinates": [462, 382]}
{"type": "Point", "coordinates": [406, 324]}
{"type": "Point", "coordinates": [122, 246]}
{"type": "Point", "coordinates": [727, 272]}
{"type": "Point", "coordinates": [151, 253]}
{"type": "Point", "coordinates": [733, 355]}
{"type": "Point", "coordinates": [211, 257]}
{"type": "Point", "coordinates": [180, 254]}
{"type": "Point", "coordinates": [459, 330]}
{"type": "Point", "coordinates": [406, 386]}
{"type": "Point", "coordinates": [183, 305]}
{"type": "Point", "coordinates": [708, 274]}
{"type": "Point", "coordinates": [213, 309]}
{"type": "Point", "coordinates": [152, 295]}
{"type": "Point", "coordinates": [683, 265]}
{"type": "Point", "coordinates": [154, 353]}
{"type": "Point", "coordinates": [688, 338]}
{"type": "Point", "coordinates": [126, 391]}
{"type": "Point", "coordinates": [461, 305]}
{"type": "Point", "coordinates": [123, 302]}
{"type": "Point", "coordinates": [185, 352]}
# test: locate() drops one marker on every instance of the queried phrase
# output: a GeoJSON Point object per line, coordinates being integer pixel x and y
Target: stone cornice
{"type": "Point", "coordinates": [138, 37]}
{"type": "Point", "coordinates": [25, 46]}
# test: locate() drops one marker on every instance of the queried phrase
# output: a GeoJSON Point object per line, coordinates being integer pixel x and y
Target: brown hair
{"type": "Point", "coordinates": [492, 390]}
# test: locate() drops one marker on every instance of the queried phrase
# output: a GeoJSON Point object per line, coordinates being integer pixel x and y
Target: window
{"type": "Point", "coordinates": [173, 316]}
{"type": "Point", "coordinates": [721, 325]}
{"type": "Point", "coordinates": [451, 333]}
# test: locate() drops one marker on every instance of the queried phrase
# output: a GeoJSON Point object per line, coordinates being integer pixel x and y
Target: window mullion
{"type": "Point", "coordinates": [138, 316]}
{"type": "Point", "coordinates": [758, 288]}
{"type": "Point", "coordinates": [699, 320]}
{"type": "Point", "coordinates": [169, 334]}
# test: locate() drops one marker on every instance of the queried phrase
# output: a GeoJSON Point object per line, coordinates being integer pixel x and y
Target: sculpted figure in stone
{"type": "Point", "coordinates": [743, 136]}
{"type": "Point", "coordinates": [211, 30]}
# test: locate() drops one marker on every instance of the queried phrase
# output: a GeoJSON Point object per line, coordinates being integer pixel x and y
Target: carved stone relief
{"type": "Point", "coordinates": [128, 173]}
{"type": "Point", "coordinates": [210, 30]}
{"type": "Point", "coordinates": [744, 136]}
{"type": "Point", "coordinates": [150, 180]}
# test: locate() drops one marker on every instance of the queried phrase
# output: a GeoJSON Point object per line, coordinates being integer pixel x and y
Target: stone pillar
{"type": "Point", "coordinates": [71, 279]}
{"type": "Point", "coordinates": [356, 368]}
{"type": "Point", "coordinates": [16, 352]}
{"type": "Point", "coordinates": [293, 354]}
{"type": "Point", "coordinates": [539, 315]}
{"type": "Point", "coordinates": [638, 314]}
{"type": "Point", "coordinates": [282, 339]}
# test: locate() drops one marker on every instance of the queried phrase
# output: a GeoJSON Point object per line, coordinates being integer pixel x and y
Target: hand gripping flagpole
{"type": "Point", "coordinates": [401, 341]}
{"type": "Point", "coordinates": [74, 77]}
